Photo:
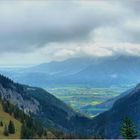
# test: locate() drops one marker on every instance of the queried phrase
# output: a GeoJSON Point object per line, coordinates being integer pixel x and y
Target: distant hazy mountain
{"type": "Point", "coordinates": [108, 123]}
{"type": "Point", "coordinates": [113, 71]}
{"type": "Point", "coordinates": [66, 67]}
{"type": "Point", "coordinates": [86, 71]}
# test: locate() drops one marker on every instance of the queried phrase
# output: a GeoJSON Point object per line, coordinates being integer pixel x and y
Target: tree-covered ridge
{"type": "Point", "coordinates": [8, 84]}
{"type": "Point", "coordinates": [30, 127]}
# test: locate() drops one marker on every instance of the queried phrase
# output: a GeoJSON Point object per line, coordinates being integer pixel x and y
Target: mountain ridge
{"type": "Point", "coordinates": [80, 71]}
{"type": "Point", "coordinates": [43, 106]}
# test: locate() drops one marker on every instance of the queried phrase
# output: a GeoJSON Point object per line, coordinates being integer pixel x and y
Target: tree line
{"type": "Point", "coordinates": [31, 128]}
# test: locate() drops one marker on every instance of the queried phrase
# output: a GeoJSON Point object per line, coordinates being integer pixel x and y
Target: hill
{"type": "Point", "coordinates": [15, 124]}
{"type": "Point", "coordinates": [108, 124]}
{"type": "Point", "coordinates": [41, 105]}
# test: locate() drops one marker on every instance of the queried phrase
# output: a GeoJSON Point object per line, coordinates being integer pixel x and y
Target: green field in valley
{"type": "Point", "coordinates": [84, 99]}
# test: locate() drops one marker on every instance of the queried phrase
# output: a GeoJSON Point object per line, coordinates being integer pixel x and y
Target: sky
{"type": "Point", "coordinates": [33, 32]}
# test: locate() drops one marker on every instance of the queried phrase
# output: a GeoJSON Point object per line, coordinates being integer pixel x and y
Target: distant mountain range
{"type": "Point", "coordinates": [80, 71]}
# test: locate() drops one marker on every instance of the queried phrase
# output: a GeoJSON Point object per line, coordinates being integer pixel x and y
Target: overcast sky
{"type": "Point", "coordinates": [33, 32]}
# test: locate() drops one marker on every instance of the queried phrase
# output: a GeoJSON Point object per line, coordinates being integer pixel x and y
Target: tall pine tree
{"type": "Point", "coordinates": [128, 130]}
{"type": "Point", "coordinates": [11, 127]}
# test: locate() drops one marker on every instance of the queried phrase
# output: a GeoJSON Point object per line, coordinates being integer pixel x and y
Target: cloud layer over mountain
{"type": "Point", "coordinates": [42, 31]}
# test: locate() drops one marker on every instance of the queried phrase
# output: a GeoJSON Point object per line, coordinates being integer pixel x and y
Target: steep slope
{"type": "Point", "coordinates": [15, 124]}
{"type": "Point", "coordinates": [108, 123]}
{"type": "Point", "coordinates": [45, 107]}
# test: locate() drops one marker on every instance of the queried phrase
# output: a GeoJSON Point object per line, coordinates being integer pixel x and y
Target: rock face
{"type": "Point", "coordinates": [52, 112]}
{"type": "Point", "coordinates": [108, 123]}
{"type": "Point", "coordinates": [29, 106]}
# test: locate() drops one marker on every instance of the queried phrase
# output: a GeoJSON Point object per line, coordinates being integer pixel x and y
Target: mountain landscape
{"type": "Point", "coordinates": [77, 81]}
{"type": "Point", "coordinates": [53, 113]}
{"type": "Point", "coordinates": [70, 69]}
{"type": "Point", "coordinates": [56, 115]}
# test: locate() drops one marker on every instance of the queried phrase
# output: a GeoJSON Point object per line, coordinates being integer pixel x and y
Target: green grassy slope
{"type": "Point", "coordinates": [5, 117]}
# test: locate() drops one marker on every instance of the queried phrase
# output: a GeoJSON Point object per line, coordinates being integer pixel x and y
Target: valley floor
{"type": "Point", "coordinates": [85, 99]}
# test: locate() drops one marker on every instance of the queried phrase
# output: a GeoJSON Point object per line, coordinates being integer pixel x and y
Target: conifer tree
{"type": "Point", "coordinates": [11, 127]}
{"type": "Point", "coordinates": [1, 123]}
{"type": "Point", "coordinates": [128, 129]}
{"type": "Point", "coordinates": [25, 132]}
{"type": "Point", "coordinates": [6, 133]}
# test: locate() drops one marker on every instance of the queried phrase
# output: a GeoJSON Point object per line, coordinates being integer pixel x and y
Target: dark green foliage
{"type": "Point", "coordinates": [128, 129]}
{"type": "Point", "coordinates": [1, 123]}
{"type": "Point", "coordinates": [64, 135]}
{"type": "Point", "coordinates": [8, 84]}
{"type": "Point", "coordinates": [19, 88]}
{"type": "Point", "coordinates": [6, 133]}
{"type": "Point", "coordinates": [25, 132]}
{"type": "Point", "coordinates": [45, 133]}
{"type": "Point", "coordinates": [11, 127]}
{"type": "Point", "coordinates": [13, 110]}
{"type": "Point", "coordinates": [30, 127]}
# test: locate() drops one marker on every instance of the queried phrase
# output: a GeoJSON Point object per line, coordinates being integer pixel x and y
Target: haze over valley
{"type": "Point", "coordinates": [83, 82]}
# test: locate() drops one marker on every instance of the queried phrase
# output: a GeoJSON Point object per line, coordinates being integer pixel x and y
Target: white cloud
{"type": "Point", "coordinates": [41, 31]}
{"type": "Point", "coordinates": [108, 34]}
{"type": "Point", "coordinates": [62, 51]}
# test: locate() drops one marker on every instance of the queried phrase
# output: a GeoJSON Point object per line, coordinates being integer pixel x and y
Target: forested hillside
{"type": "Point", "coordinates": [44, 107]}
{"type": "Point", "coordinates": [14, 123]}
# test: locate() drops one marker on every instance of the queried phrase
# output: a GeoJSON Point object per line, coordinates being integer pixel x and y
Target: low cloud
{"type": "Point", "coordinates": [59, 52]}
